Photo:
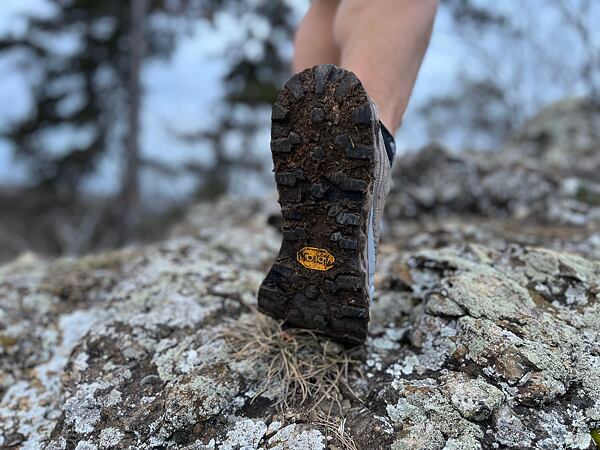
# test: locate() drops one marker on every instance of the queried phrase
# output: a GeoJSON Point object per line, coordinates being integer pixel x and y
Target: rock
{"type": "Point", "coordinates": [125, 349]}
{"type": "Point", "coordinates": [547, 173]}
{"type": "Point", "coordinates": [484, 334]}
{"type": "Point", "coordinates": [568, 127]}
{"type": "Point", "coordinates": [475, 399]}
{"type": "Point", "coordinates": [422, 436]}
{"type": "Point", "coordinates": [273, 428]}
{"type": "Point", "coordinates": [294, 437]}
{"type": "Point", "coordinates": [246, 433]}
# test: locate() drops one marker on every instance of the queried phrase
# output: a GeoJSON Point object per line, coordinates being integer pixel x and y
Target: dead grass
{"type": "Point", "coordinates": [337, 427]}
{"type": "Point", "coordinates": [304, 367]}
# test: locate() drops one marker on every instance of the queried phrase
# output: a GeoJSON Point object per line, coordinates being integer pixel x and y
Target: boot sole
{"type": "Point", "coordinates": [323, 146]}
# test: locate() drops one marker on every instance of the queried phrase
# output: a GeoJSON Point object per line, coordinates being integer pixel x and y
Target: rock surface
{"type": "Point", "coordinates": [485, 332]}
{"type": "Point", "coordinates": [548, 173]}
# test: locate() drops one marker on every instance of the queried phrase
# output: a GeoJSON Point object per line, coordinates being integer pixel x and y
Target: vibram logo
{"type": "Point", "coordinates": [315, 258]}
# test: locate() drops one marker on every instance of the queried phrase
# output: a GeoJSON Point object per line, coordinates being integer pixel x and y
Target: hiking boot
{"type": "Point", "coordinates": [332, 173]}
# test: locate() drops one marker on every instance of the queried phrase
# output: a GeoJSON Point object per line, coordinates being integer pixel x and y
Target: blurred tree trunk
{"type": "Point", "coordinates": [130, 193]}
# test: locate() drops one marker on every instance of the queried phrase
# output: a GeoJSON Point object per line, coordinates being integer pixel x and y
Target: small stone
{"type": "Point", "coordinates": [150, 379]}
{"type": "Point", "coordinates": [273, 428]}
{"type": "Point", "coordinates": [346, 406]}
{"type": "Point", "coordinates": [283, 434]}
{"type": "Point", "coordinates": [475, 399]}
{"type": "Point", "coordinates": [332, 347]}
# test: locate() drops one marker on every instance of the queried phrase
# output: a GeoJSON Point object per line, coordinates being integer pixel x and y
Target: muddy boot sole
{"type": "Point", "coordinates": [323, 146]}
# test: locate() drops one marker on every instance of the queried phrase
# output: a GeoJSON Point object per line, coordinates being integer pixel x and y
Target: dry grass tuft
{"type": "Point", "coordinates": [302, 365]}
{"type": "Point", "coordinates": [337, 427]}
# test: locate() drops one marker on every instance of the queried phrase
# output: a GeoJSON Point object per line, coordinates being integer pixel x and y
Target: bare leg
{"type": "Point", "coordinates": [383, 42]}
{"type": "Point", "coordinates": [314, 43]}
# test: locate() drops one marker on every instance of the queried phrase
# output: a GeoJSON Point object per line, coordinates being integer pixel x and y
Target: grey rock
{"type": "Point", "coordinates": [475, 399]}
{"type": "Point", "coordinates": [484, 332]}
{"type": "Point", "coordinates": [547, 172]}
{"type": "Point", "coordinates": [503, 343]}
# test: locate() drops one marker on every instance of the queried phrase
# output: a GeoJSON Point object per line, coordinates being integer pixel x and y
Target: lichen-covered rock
{"type": "Point", "coordinates": [563, 136]}
{"type": "Point", "coordinates": [293, 437]}
{"type": "Point", "coordinates": [471, 346]}
{"type": "Point", "coordinates": [547, 173]}
{"type": "Point", "coordinates": [485, 332]}
{"type": "Point", "coordinates": [474, 398]}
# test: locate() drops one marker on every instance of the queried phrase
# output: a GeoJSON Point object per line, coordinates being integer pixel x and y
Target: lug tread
{"type": "Point", "coordinates": [323, 158]}
{"type": "Point", "coordinates": [281, 146]}
{"type": "Point", "coordinates": [279, 112]}
{"type": "Point", "coordinates": [362, 115]}
{"type": "Point", "coordinates": [294, 85]}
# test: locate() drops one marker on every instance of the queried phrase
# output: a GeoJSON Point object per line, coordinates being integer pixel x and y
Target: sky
{"type": "Point", "coordinates": [182, 94]}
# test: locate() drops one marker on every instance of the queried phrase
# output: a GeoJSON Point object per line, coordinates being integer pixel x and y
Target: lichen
{"type": "Point", "coordinates": [245, 434]}
{"type": "Point", "coordinates": [475, 399]}
{"type": "Point", "coordinates": [470, 346]}
{"type": "Point", "coordinates": [293, 437]}
{"type": "Point", "coordinates": [83, 409]}
{"type": "Point", "coordinates": [110, 437]}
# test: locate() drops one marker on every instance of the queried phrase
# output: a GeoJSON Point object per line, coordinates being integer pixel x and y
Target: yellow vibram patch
{"type": "Point", "coordinates": [315, 258]}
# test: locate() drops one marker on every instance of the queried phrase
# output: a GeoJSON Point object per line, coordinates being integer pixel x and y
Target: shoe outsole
{"type": "Point", "coordinates": [323, 146]}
